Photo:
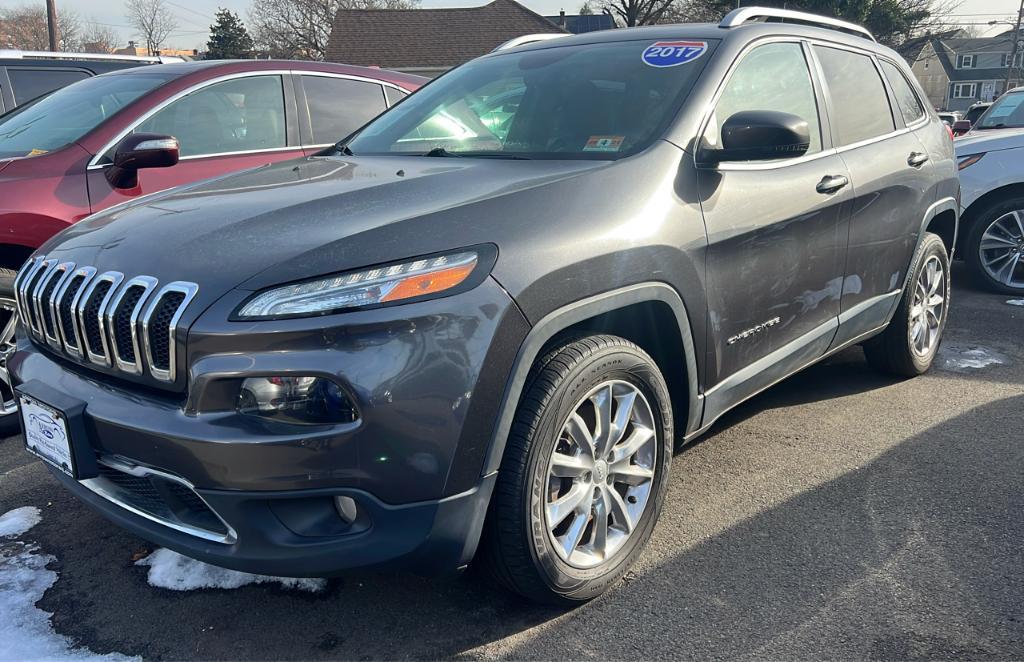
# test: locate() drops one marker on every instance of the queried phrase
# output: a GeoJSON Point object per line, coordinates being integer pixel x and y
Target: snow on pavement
{"type": "Point", "coordinates": [1015, 302]}
{"type": "Point", "coordinates": [25, 630]}
{"type": "Point", "coordinates": [18, 521]}
{"type": "Point", "coordinates": [962, 357]}
{"type": "Point", "coordinates": [170, 570]}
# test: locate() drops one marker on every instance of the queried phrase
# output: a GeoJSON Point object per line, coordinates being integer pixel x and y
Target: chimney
{"type": "Point", "coordinates": [561, 18]}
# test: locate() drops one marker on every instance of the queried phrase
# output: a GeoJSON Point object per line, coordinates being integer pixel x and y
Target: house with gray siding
{"type": "Point", "coordinates": [957, 72]}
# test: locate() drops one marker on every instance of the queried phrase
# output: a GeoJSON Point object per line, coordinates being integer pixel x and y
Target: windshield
{"type": "Point", "coordinates": [66, 115]}
{"type": "Point", "coordinates": [1006, 113]}
{"type": "Point", "coordinates": [587, 102]}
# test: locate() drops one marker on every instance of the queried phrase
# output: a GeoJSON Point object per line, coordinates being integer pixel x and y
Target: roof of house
{"type": "Point", "coordinates": [580, 23]}
{"type": "Point", "coordinates": [429, 38]}
{"type": "Point", "coordinates": [979, 44]}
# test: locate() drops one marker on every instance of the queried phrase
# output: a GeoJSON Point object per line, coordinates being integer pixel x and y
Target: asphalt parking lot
{"type": "Point", "coordinates": [841, 514]}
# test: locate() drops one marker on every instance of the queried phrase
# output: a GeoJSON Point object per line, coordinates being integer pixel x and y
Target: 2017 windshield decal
{"type": "Point", "coordinates": [673, 53]}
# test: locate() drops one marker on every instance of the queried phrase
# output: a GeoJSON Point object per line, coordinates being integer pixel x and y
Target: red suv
{"type": "Point", "coordinates": [115, 137]}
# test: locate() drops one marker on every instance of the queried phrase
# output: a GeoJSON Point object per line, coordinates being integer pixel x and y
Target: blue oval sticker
{"type": "Point", "coordinates": [673, 53]}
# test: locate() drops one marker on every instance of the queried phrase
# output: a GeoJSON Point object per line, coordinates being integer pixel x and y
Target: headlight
{"type": "Point", "coordinates": [404, 282]}
{"type": "Point", "coordinates": [968, 161]}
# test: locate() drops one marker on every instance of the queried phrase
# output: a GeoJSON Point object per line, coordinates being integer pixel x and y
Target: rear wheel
{"type": "Point", "coordinates": [584, 473]}
{"type": "Point", "coordinates": [908, 345]}
{"type": "Point", "coordinates": [995, 247]}
{"type": "Point", "coordinates": [8, 322]}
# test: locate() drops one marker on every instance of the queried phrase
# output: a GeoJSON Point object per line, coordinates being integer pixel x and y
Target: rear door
{"type": "Point", "coordinates": [891, 182]}
{"type": "Point", "coordinates": [334, 106]}
{"type": "Point", "coordinates": [777, 235]}
{"type": "Point", "coordinates": [223, 126]}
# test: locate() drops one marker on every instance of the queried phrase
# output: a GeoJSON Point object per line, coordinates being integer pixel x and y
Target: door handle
{"type": "Point", "coordinates": [831, 184]}
{"type": "Point", "coordinates": [917, 159]}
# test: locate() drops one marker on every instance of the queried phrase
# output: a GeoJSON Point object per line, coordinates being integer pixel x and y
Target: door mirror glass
{"type": "Point", "coordinates": [761, 135]}
{"type": "Point", "coordinates": [138, 151]}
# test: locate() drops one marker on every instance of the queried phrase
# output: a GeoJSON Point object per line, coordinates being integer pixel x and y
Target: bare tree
{"type": "Point", "coordinates": [631, 13]}
{"type": "Point", "coordinates": [24, 27]}
{"type": "Point", "coordinates": [98, 38]}
{"type": "Point", "coordinates": [153, 20]}
{"type": "Point", "coordinates": [302, 28]}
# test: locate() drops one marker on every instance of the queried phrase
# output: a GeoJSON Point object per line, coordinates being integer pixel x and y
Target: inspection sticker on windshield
{"type": "Point", "coordinates": [603, 144]}
{"type": "Point", "coordinates": [673, 53]}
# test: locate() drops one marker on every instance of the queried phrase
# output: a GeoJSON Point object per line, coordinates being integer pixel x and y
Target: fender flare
{"type": "Point", "coordinates": [563, 318]}
{"type": "Point", "coordinates": [940, 206]}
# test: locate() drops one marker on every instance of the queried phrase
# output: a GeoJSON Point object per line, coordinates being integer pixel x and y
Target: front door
{"type": "Point", "coordinates": [776, 233]}
{"type": "Point", "coordinates": [224, 127]}
{"type": "Point", "coordinates": [891, 180]}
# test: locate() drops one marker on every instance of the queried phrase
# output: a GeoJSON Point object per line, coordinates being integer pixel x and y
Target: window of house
{"type": "Point", "coordinates": [859, 99]}
{"type": "Point", "coordinates": [770, 77]}
{"type": "Point", "coordinates": [964, 61]}
{"type": "Point", "coordinates": [238, 115]}
{"type": "Point", "coordinates": [1018, 59]}
{"type": "Point", "coordinates": [964, 90]}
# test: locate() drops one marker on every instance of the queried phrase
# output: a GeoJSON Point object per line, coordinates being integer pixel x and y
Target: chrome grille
{"type": "Point", "coordinates": [103, 318]}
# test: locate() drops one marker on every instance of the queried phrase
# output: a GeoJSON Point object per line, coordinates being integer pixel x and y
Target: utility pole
{"type": "Point", "coordinates": [1016, 45]}
{"type": "Point", "coordinates": [51, 23]}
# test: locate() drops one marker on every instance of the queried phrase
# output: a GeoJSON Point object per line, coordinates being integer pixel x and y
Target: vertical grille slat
{"type": "Point", "coordinates": [128, 325]}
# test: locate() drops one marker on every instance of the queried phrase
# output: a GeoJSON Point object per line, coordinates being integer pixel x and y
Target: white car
{"type": "Point", "coordinates": [991, 158]}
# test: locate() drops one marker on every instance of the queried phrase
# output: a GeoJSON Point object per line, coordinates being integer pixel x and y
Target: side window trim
{"type": "Point", "coordinates": [95, 162]}
{"type": "Point", "coordinates": [827, 144]}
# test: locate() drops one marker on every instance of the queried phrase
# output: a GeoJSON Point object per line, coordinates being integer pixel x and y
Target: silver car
{"type": "Point", "coordinates": [991, 162]}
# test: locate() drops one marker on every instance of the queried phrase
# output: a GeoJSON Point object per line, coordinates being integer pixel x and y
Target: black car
{"type": "Point", "coordinates": [478, 327]}
{"type": "Point", "coordinates": [28, 75]}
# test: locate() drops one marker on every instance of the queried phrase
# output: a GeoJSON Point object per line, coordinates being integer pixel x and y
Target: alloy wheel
{"type": "Point", "coordinates": [927, 308]}
{"type": "Point", "coordinates": [600, 474]}
{"type": "Point", "coordinates": [1002, 249]}
{"type": "Point", "coordinates": [8, 322]}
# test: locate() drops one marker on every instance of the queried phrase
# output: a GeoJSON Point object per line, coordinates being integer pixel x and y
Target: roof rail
{"type": "Point", "coordinates": [769, 14]}
{"type": "Point", "coordinates": [51, 55]}
{"type": "Point", "coordinates": [528, 39]}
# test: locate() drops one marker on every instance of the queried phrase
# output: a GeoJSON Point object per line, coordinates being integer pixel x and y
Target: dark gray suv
{"type": "Point", "coordinates": [478, 327]}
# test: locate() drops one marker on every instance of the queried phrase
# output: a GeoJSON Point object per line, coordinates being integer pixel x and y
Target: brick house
{"type": "Point", "coordinates": [428, 42]}
{"type": "Point", "coordinates": [956, 72]}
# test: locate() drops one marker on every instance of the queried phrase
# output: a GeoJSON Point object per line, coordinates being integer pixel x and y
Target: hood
{"type": "Point", "coordinates": [988, 140]}
{"type": "Point", "coordinates": [300, 219]}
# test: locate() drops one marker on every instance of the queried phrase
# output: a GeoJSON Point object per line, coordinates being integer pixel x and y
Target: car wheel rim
{"type": "Point", "coordinates": [1002, 249]}
{"type": "Point", "coordinates": [927, 308]}
{"type": "Point", "coordinates": [8, 320]}
{"type": "Point", "coordinates": [600, 474]}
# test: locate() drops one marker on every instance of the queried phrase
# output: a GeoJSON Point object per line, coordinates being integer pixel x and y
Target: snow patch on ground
{"type": "Point", "coordinates": [963, 357]}
{"type": "Point", "coordinates": [1015, 302]}
{"type": "Point", "coordinates": [25, 630]}
{"type": "Point", "coordinates": [173, 571]}
{"type": "Point", "coordinates": [18, 521]}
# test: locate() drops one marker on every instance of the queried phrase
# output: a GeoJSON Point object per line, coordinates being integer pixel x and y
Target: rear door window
{"type": "Point", "coordinates": [860, 106]}
{"type": "Point", "coordinates": [28, 84]}
{"type": "Point", "coordinates": [394, 95]}
{"type": "Point", "coordinates": [339, 106]}
{"type": "Point", "coordinates": [906, 99]}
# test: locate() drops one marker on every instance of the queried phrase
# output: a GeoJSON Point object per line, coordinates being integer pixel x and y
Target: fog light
{"type": "Point", "coordinates": [346, 507]}
{"type": "Point", "coordinates": [295, 399]}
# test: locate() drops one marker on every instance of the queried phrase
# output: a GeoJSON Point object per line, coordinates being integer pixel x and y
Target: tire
{"type": "Point", "coordinates": [902, 349]}
{"type": "Point", "coordinates": [8, 422]}
{"type": "Point", "coordinates": [998, 220]}
{"type": "Point", "coordinates": [518, 547]}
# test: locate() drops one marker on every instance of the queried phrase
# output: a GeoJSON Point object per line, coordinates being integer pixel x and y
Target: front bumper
{"type": "Point", "coordinates": [427, 386]}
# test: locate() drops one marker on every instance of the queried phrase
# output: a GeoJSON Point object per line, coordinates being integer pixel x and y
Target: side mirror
{"type": "Point", "coordinates": [760, 135]}
{"type": "Point", "coordinates": [960, 127]}
{"type": "Point", "coordinates": [138, 151]}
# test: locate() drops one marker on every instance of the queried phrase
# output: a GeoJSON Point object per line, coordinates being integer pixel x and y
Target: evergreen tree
{"type": "Point", "coordinates": [229, 39]}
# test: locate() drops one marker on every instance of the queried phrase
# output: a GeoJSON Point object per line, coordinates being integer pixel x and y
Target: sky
{"type": "Point", "coordinates": [195, 16]}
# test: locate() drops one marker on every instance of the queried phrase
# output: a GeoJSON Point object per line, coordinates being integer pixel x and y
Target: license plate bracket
{"type": "Point", "coordinates": [46, 415]}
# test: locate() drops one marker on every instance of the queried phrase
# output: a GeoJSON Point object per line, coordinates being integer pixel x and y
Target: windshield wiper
{"type": "Point", "coordinates": [441, 151]}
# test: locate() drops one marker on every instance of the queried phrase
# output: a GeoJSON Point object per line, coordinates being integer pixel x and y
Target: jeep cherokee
{"type": "Point", "coordinates": [478, 326]}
